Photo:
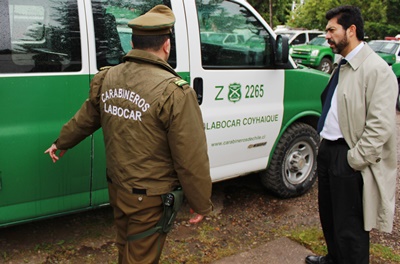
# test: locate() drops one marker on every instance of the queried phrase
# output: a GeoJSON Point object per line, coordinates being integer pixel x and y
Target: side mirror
{"type": "Point", "coordinates": [281, 50]}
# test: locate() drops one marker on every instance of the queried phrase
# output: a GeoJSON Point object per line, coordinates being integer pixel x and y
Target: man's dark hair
{"type": "Point", "coordinates": [347, 16]}
{"type": "Point", "coordinates": [149, 42]}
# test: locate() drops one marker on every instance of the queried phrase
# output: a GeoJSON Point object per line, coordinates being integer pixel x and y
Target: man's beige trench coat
{"type": "Point", "coordinates": [366, 97]}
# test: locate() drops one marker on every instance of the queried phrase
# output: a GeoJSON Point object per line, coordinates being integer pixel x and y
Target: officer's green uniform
{"type": "Point", "coordinates": [154, 138]}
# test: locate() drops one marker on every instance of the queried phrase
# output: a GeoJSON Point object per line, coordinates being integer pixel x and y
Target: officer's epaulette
{"type": "Point", "coordinates": [105, 68]}
{"type": "Point", "coordinates": [181, 82]}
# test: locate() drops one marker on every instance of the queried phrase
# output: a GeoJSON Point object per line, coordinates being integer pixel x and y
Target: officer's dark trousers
{"type": "Point", "coordinates": [340, 205]}
{"type": "Point", "coordinates": [133, 214]}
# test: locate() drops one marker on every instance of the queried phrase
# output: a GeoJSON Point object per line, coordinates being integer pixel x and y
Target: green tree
{"type": "Point", "coordinates": [279, 13]}
{"type": "Point", "coordinates": [380, 17]}
{"type": "Point", "coordinates": [393, 12]}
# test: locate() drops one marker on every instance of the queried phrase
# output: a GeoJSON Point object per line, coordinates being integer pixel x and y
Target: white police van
{"type": "Point", "coordinates": [259, 109]}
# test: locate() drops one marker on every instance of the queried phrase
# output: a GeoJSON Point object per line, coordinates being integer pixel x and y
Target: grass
{"type": "Point", "coordinates": [384, 253]}
{"type": "Point", "coordinates": [200, 247]}
{"type": "Point", "coordinates": [312, 238]}
{"type": "Point", "coordinates": [206, 244]}
{"type": "Point", "coordinates": [4, 255]}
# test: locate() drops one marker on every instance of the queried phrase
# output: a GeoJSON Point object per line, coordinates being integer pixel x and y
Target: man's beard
{"type": "Point", "coordinates": [340, 46]}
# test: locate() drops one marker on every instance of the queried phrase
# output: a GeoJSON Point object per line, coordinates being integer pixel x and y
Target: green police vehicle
{"type": "Point", "coordinates": [316, 54]}
{"type": "Point", "coordinates": [389, 50]}
{"type": "Point", "coordinates": [396, 70]}
{"type": "Point", "coordinates": [260, 110]}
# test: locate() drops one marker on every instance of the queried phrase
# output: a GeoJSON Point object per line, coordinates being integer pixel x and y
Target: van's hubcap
{"type": "Point", "coordinates": [299, 163]}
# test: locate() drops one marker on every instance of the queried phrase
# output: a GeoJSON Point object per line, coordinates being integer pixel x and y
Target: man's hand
{"type": "Point", "coordinates": [195, 219]}
{"type": "Point", "coordinates": [52, 152]}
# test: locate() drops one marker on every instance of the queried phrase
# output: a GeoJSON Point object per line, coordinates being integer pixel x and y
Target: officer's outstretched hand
{"type": "Point", "coordinates": [195, 219]}
{"type": "Point", "coordinates": [53, 152]}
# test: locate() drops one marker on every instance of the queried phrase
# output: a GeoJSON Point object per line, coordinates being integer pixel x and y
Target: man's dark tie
{"type": "Point", "coordinates": [330, 90]}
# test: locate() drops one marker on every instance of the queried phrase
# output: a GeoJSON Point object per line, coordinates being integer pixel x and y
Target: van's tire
{"type": "Point", "coordinates": [293, 167]}
{"type": "Point", "coordinates": [325, 65]}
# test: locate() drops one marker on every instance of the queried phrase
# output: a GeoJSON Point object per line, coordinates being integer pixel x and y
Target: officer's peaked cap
{"type": "Point", "coordinates": [158, 21]}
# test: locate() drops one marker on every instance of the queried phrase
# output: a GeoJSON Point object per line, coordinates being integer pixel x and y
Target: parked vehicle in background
{"type": "Point", "coordinates": [397, 37]}
{"type": "Point", "coordinates": [316, 54]}
{"type": "Point", "coordinates": [389, 50]}
{"type": "Point", "coordinates": [396, 70]}
{"type": "Point", "coordinates": [298, 36]}
{"type": "Point", "coordinates": [221, 38]}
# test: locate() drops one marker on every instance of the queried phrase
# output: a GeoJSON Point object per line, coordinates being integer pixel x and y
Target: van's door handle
{"type": "Point", "coordinates": [198, 88]}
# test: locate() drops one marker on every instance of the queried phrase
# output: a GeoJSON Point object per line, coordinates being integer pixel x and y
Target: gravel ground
{"type": "Point", "coordinates": [245, 217]}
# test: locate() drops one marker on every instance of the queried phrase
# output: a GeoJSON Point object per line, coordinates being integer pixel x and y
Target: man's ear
{"type": "Point", "coordinates": [167, 46]}
{"type": "Point", "coordinates": [352, 30]}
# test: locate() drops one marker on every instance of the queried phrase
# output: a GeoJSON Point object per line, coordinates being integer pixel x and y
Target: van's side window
{"type": "Point", "coordinates": [231, 37]}
{"type": "Point", "coordinates": [113, 36]}
{"type": "Point", "coordinates": [39, 36]}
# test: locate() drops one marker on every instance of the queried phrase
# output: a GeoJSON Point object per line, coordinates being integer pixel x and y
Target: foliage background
{"type": "Point", "coordinates": [381, 17]}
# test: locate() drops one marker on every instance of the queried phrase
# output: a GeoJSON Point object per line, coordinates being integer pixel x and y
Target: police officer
{"type": "Point", "coordinates": [153, 134]}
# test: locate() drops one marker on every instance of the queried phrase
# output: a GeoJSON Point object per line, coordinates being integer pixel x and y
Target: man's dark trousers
{"type": "Point", "coordinates": [340, 205]}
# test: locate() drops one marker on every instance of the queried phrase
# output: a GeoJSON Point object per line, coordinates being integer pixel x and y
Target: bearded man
{"type": "Point", "coordinates": [357, 156]}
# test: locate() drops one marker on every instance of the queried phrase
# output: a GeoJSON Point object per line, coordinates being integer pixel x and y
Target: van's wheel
{"type": "Point", "coordinates": [325, 65]}
{"type": "Point", "coordinates": [292, 170]}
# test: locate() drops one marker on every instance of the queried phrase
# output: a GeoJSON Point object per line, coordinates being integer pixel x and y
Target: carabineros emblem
{"type": "Point", "coordinates": [235, 94]}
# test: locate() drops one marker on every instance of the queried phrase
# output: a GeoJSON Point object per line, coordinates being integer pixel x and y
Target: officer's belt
{"type": "Point", "coordinates": [134, 190]}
